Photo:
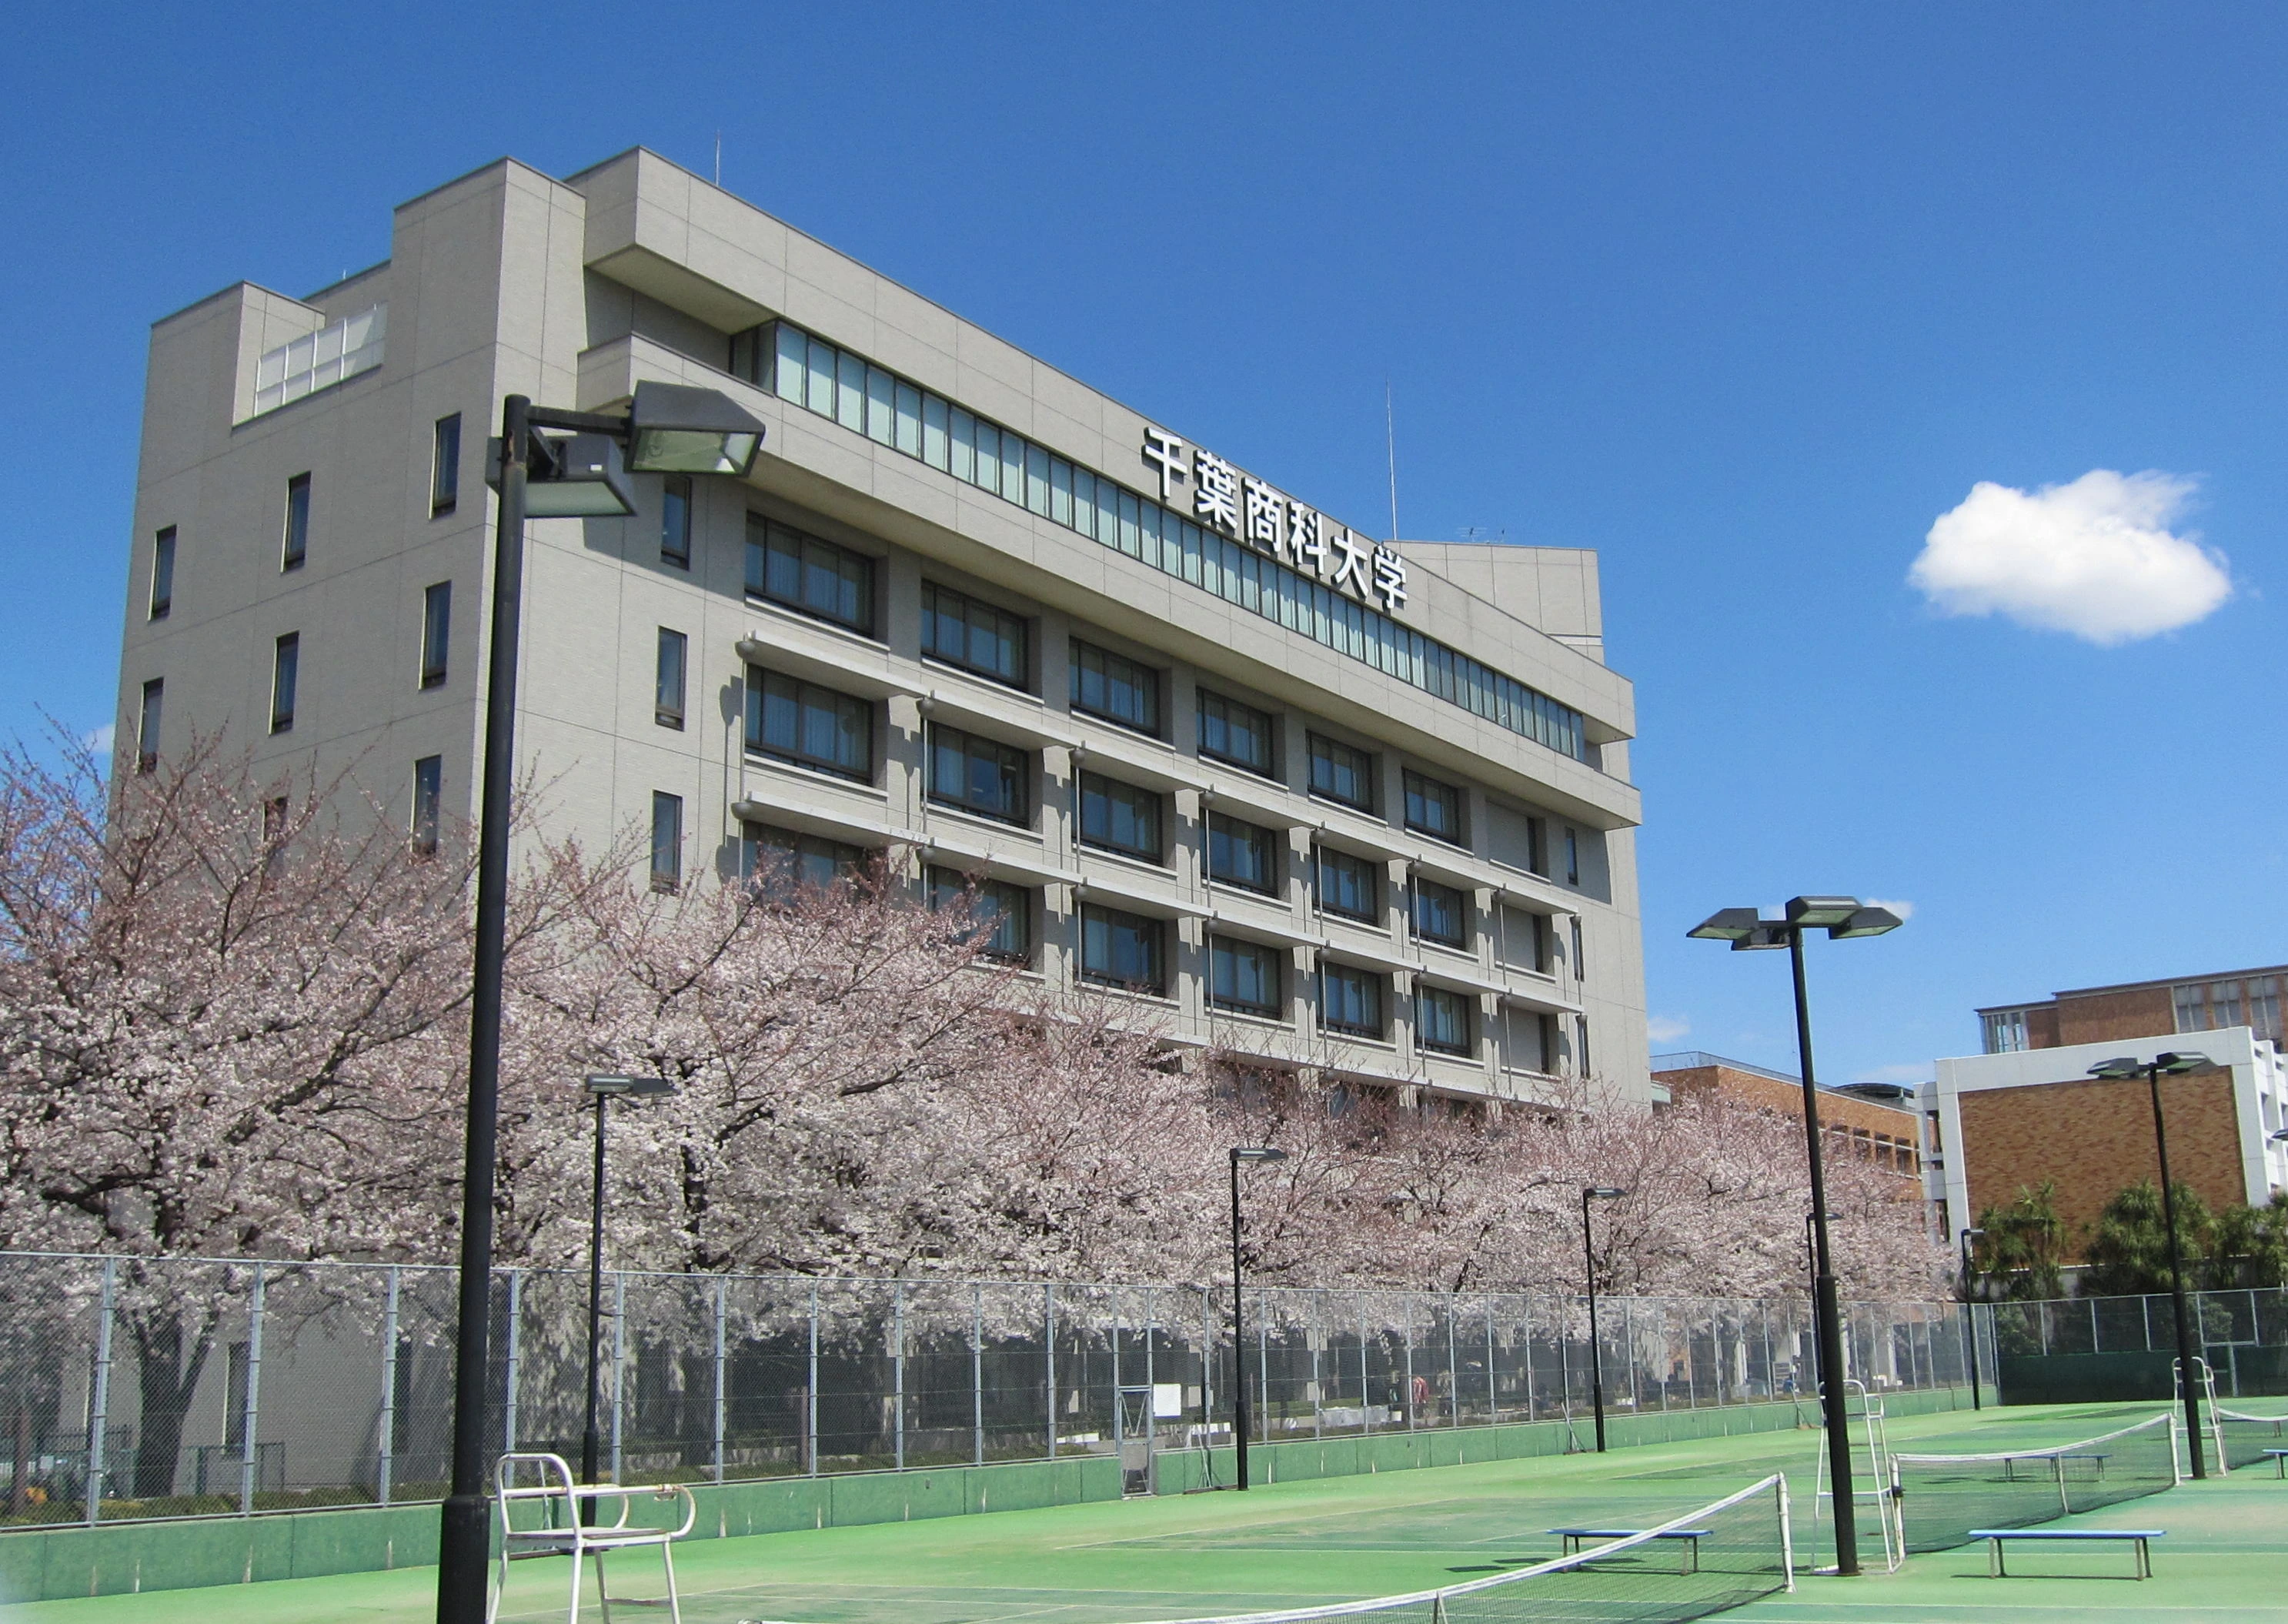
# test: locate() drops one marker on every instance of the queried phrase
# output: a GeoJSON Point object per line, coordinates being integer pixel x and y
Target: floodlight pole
{"type": "Point", "coordinates": [1827, 1310]}
{"type": "Point", "coordinates": [589, 1440]}
{"type": "Point", "coordinates": [1238, 1341]}
{"type": "Point", "coordinates": [1969, 1315]}
{"type": "Point", "coordinates": [1596, 1358]}
{"type": "Point", "coordinates": [2186, 1385]}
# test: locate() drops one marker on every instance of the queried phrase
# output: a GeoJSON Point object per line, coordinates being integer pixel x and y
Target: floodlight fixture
{"type": "Point", "coordinates": [674, 428]}
{"type": "Point", "coordinates": [1601, 1189]}
{"type": "Point", "coordinates": [1868, 921]}
{"type": "Point", "coordinates": [2177, 1062]}
{"type": "Point", "coordinates": [604, 1083]}
{"type": "Point", "coordinates": [571, 477]}
{"type": "Point", "coordinates": [1770, 934]}
{"type": "Point", "coordinates": [1726, 924]}
{"type": "Point", "coordinates": [1815, 912]}
{"type": "Point", "coordinates": [1257, 1153]}
{"type": "Point", "coordinates": [2119, 1066]}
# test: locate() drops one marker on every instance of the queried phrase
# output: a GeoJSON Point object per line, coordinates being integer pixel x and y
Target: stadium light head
{"type": "Point", "coordinates": [673, 428]}
{"type": "Point", "coordinates": [1814, 913]}
{"type": "Point", "coordinates": [1257, 1153]}
{"type": "Point", "coordinates": [1601, 1189]}
{"type": "Point", "coordinates": [1868, 921]}
{"type": "Point", "coordinates": [570, 476]}
{"type": "Point", "coordinates": [2119, 1066]}
{"type": "Point", "coordinates": [1972, 1234]}
{"type": "Point", "coordinates": [1726, 924]}
{"type": "Point", "coordinates": [2177, 1062]}
{"type": "Point", "coordinates": [609, 1085]}
{"type": "Point", "coordinates": [1769, 934]}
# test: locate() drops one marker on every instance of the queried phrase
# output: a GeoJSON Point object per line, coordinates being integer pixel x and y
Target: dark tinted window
{"type": "Point", "coordinates": [1236, 733]}
{"type": "Point", "coordinates": [1119, 816]}
{"type": "Point", "coordinates": [1350, 1000]}
{"type": "Point", "coordinates": [1347, 884]}
{"type": "Point", "coordinates": [809, 725]}
{"type": "Point", "coordinates": [1115, 687]}
{"type": "Point", "coordinates": [1004, 911]}
{"type": "Point", "coordinates": [978, 774]}
{"type": "Point", "coordinates": [1121, 949]}
{"type": "Point", "coordinates": [1441, 913]}
{"type": "Point", "coordinates": [811, 576]}
{"type": "Point", "coordinates": [960, 630]}
{"type": "Point", "coordinates": [1442, 1019]}
{"type": "Point", "coordinates": [1433, 808]}
{"type": "Point", "coordinates": [1342, 773]}
{"type": "Point", "coordinates": [1242, 854]}
{"type": "Point", "coordinates": [1243, 975]}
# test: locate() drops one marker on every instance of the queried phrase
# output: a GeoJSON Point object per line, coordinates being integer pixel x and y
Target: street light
{"type": "Point", "coordinates": [1242, 1153]}
{"type": "Point", "coordinates": [605, 1089]}
{"type": "Point", "coordinates": [1969, 1312]}
{"type": "Point", "coordinates": [1590, 1192]}
{"type": "Point", "coordinates": [2174, 1064]}
{"type": "Point", "coordinates": [1843, 919]}
{"type": "Point", "coordinates": [573, 478]}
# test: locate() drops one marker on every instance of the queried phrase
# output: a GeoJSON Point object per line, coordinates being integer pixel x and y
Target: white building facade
{"type": "Point", "coordinates": [1328, 801]}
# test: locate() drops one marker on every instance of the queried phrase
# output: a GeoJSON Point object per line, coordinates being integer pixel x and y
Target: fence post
{"type": "Point", "coordinates": [1406, 1332]}
{"type": "Point", "coordinates": [1208, 1363]}
{"type": "Point", "coordinates": [385, 1445]}
{"type": "Point", "coordinates": [1262, 1407]}
{"type": "Point", "coordinates": [721, 1366]}
{"type": "Point", "coordinates": [810, 1403]}
{"type": "Point", "coordinates": [977, 1370]}
{"type": "Point", "coordinates": [1629, 1345]}
{"type": "Point", "coordinates": [1453, 1366]}
{"type": "Point", "coordinates": [1151, 1405]}
{"type": "Point", "coordinates": [898, 1372]}
{"type": "Point", "coordinates": [249, 1451]}
{"type": "Point", "coordinates": [619, 1361]}
{"type": "Point", "coordinates": [1049, 1359]}
{"type": "Point", "coordinates": [1318, 1336]}
{"type": "Point", "coordinates": [1358, 1306]}
{"type": "Point", "coordinates": [99, 1408]}
{"type": "Point", "coordinates": [1524, 1334]}
{"type": "Point", "coordinates": [1493, 1392]}
{"type": "Point", "coordinates": [515, 1355]}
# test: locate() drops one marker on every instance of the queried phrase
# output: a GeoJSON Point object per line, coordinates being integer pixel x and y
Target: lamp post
{"type": "Point", "coordinates": [581, 474]}
{"type": "Point", "coordinates": [2172, 1064]}
{"type": "Point", "coordinates": [604, 1088]}
{"type": "Point", "coordinates": [1242, 1153]}
{"type": "Point", "coordinates": [1969, 1313]}
{"type": "Point", "coordinates": [1843, 919]}
{"type": "Point", "coordinates": [1590, 1192]}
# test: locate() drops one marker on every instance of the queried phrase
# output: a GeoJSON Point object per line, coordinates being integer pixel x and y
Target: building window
{"type": "Point", "coordinates": [675, 520]}
{"type": "Point", "coordinates": [2005, 1029]}
{"type": "Point", "coordinates": [428, 802]}
{"type": "Point", "coordinates": [1115, 687]}
{"type": "Point", "coordinates": [809, 726]}
{"type": "Point", "coordinates": [1003, 912]}
{"type": "Point", "coordinates": [666, 842]}
{"type": "Point", "coordinates": [1121, 949]}
{"type": "Point", "coordinates": [1433, 808]}
{"type": "Point", "coordinates": [1242, 854]}
{"type": "Point", "coordinates": [163, 573]}
{"type": "Point", "coordinates": [811, 576]}
{"type": "Point", "coordinates": [1536, 846]}
{"type": "Point", "coordinates": [1347, 884]}
{"type": "Point", "coordinates": [436, 632]}
{"type": "Point", "coordinates": [1581, 1044]}
{"type": "Point", "coordinates": [147, 725]}
{"type": "Point", "coordinates": [1544, 944]}
{"type": "Point", "coordinates": [1442, 913]}
{"type": "Point", "coordinates": [978, 774]}
{"type": "Point", "coordinates": [1116, 817]}
{"type": "Point", "coordinates": [1442, 1019]}
{"type": "Point", "coordinates": [1580, 959]}
{"type": "Point", "coordinates": [1572, 856]}
{"type": "Point", "coordinates": [445, 466]}
{"type": "Point", "coordinates": [296, 547]}
{"type": "Point", "coordinates": [977, 637]}
{"type": "Point", "coordinates": [783, 863]}
{"type": "Point", "coordinates": [1340, 773]}
{"type": "Point", "coordinates": [1350, 1000]}
{"type": "Point", "coordinates": [285, 674]}
{"type": "Point", "coordinates": [1235, 733]}
{"type": "Point", "coordinates": [667, 684]}
{"type": "Point", "coordinates": [1244, 977]}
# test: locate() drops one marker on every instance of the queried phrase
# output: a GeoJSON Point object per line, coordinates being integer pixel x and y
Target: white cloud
{"type": "Point", "coordinates": [1905, 909]}
{"type": "Point", "coordinates": [2094, 557]}
{"type": "Point", "coordinates": [99, 743]}
{"type": "Point", "coordinates": [1667, 1029]}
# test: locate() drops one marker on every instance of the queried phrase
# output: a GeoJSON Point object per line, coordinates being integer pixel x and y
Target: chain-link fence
{"type": "Point", "coordinates": [137, 1388]}
{"type": "Point", "coordinates": [2243, 1333]}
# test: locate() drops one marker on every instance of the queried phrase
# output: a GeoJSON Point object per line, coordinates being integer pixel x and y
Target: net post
{"type": "Point", "coordinates": [1787, 1536]}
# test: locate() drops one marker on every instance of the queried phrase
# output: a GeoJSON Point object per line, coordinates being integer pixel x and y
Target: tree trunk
{"type": "Point", "coordinates": [169, 1358]}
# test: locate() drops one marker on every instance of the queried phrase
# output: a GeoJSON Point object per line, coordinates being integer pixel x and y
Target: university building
{"type": "Point", "coordinates": [1328, 799]}
{"type": "Point", "coordinates": [2027, 1113]}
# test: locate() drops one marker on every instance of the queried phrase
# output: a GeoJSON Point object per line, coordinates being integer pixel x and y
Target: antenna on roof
{"type": "Point", "coordinates": [1390, 434]}
{"type": "Point", "coordinates": [718, 159]}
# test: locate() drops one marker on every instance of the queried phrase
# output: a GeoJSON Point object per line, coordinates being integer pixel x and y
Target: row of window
{"type": "Point", "coordinates": [891, 411]}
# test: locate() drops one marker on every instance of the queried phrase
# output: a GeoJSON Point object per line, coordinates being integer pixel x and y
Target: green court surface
{"type": "Point", "coordinates": [1331, 1539]}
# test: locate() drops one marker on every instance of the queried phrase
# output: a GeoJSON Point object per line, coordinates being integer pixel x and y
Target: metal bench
{"type": "Point", "coordinates": [1994, 1538]}
{"type": "Point", "coordinates": [570, 1524]}
{"type": "Point", "coordinates": [1574, 1538]}
{"type": "Point", "coordinates": [2279, 1458]}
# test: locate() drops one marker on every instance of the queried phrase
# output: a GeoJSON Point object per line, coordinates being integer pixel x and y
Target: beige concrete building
{"type": "Point", "coordinates": [1332, 802]}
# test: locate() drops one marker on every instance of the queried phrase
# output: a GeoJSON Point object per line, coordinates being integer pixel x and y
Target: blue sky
{"type": "Point", "coordinates": [1746, 298]}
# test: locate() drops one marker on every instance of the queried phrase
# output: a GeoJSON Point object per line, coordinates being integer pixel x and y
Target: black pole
{"type": "Point", "coordinates": [595, 1303]}
{"type": "Point", "coordinates": [1969, 1320]}
{"type": "Point", "coordinates": [2177, 1283]}
{"type": "Point", "coordinates": [463, 1533]}
{"type": "Point", "coordinates": [1238, 1339]}
{"type": "Point", "coordinates": [1826, 1308]}
{"type": "Point", "coordinates": [1596, 1361]}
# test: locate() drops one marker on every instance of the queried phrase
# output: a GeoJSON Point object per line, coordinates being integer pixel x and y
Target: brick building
{"type": "Point", "coordinates": [1876, 1122]}
{"type": "Point", "coordinates": [2027, 1112]}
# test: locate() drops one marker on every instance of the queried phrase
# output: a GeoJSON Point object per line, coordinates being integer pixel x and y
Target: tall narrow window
{"type": "Point", "coordinates": [1580, 959]}
{"type": "Point", "coordinates": [285, 674]}
{"type": "Point", "coordinates": [297, 544]}
{"type": "Point", "coordinates": [445, 466]}
{"type": "Point", "coordinates": [1581, 1051]}
{"type": "Point", "coordinates": [163, 573]}
{"type": "Point", "coordinates": [436, 632]}
{"type": "Point", "coordinates": [147, 725]}
{"type": "Point", "coordinates": [675, 520]}
{"type": "Point", "coordinates": [428, 802]}
{"type": "Point", "coordinates": [666, 842]}
{"type": "Point", "coordinates": [667, 698]}
{"type": "Point", "coordinates": [1536, 846]}
{"type": "Point", "coordinates": [1572, 856]}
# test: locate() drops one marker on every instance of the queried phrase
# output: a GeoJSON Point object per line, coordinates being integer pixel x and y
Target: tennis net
{"type": "Point", "coordinates": [2243, 1438]}
{"type": "Point", "coordinates": [1942, 1498]}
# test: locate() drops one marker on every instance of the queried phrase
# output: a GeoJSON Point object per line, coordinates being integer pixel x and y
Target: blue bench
{"type": "Point", "coordinates": [1994, 1537]}
{"type": "Point", "coordinates": [2279, 1458]}
{"type": "Point", "coordinates": [1573, 1539]}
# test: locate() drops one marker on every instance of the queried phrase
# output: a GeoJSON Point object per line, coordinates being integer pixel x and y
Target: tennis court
{"type": "Point", "coordinates": [1335, 1539]}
